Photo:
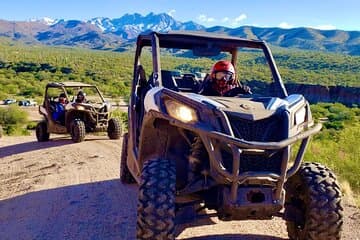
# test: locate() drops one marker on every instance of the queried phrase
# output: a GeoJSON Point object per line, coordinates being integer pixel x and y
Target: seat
{"type": "Point", "coordinates": [142, 84]}
{"type": "Point", "coordinates": [188, 84]}
{"type": "Point", "coordinates": [142, 88]}
{"type": "Point", "coordinates": [168, 80]}
{"type": "Point", "coordinates": [52, 106]}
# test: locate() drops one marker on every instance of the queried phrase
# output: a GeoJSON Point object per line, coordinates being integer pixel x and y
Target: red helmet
{"type": "Point", "coordinates": [223, 76]}
{"type": "Point", "coordinates": [62, 98]}
{"type": "Point", "coordinates": [223, 66]}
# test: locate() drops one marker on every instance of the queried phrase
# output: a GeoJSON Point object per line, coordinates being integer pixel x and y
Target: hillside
{"type": "Point", "coordinates": [106, 33]}
{"type": "Point", "coordinates": [25, 70]}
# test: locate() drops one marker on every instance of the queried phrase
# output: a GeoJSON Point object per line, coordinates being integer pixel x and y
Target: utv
{"type": "Point", "coordinates": [92, 115]}
{"type": "Point", "coordinates": [251, 146]}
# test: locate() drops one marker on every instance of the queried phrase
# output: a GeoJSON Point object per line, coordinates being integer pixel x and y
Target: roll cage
{"type": "Point", "coordinates": [202, 44]}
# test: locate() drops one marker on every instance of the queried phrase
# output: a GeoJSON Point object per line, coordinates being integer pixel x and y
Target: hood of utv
{"type": "Point", "coordinates": [252, 118]}
{"type": "Point", "coordinates": [252, 109]}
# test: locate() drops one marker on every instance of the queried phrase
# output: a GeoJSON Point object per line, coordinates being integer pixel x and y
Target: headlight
{"type": "Point", "coordinates": [180, 111]}
{"type": "Point", "coordinates": [108, 107]}
{"type": "Point", "coordinates": [300, 116]}
{"type": "Point", "coordinates": [79, 107]}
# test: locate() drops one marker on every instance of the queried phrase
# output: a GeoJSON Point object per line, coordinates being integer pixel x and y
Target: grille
{"type": "Point", "coordinates": [264, 130]}
{"type": "Point", "coordinates": [254, 163]}
{"type": "Point", "coordinates": [257, 163]}
{"type": "Point", "coordinates": [268, 129]}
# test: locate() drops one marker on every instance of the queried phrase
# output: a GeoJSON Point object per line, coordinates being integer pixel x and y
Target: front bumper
{"type": "Point", "coordinates": [236, 180]}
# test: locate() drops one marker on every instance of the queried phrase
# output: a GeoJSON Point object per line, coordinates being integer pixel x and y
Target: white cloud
{"type": "Point", "coordinates": [325, 27]}
{"type": "Point", "coordinates": [236, 21]}
{"type": "Point", "coordinates": [285, 25]}
{"type": "Point", "coordinates": [172, 12]}
{"type": "Point", "coordinates": [225, 19]}
{"type": "Point", "coordinates": [206, 19]}
{"type": "Point", "coordinates": [321, 27]}
{"type": "Point", "coordinates": [233, 22]}
{"type": "Point", "coordinates": [240, 18]}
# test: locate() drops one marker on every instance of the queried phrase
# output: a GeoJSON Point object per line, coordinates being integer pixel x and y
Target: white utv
{"type": "Point", "coordinates": [251, 146]}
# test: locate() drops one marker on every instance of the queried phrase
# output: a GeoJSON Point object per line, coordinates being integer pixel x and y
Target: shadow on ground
{"type": "Point", "coordinates": [35, 145]}
{"type": "Point", "coordinates": [32, 146]}
{"type": "Point", "coordinates": [235, 237]}
{"type": "Point", "coordinates": [101, 210]}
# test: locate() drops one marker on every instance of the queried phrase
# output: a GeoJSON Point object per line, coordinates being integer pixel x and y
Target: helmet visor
{"type": "Point", "coordinates": [227, 76]}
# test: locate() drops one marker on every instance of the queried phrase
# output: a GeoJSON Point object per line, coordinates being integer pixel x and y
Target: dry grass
{"type": "Point", "coordinates": [351, 197]}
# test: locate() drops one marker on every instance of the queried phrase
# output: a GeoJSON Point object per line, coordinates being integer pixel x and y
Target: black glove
{"type": "Point", "coordinates": [246, 89]}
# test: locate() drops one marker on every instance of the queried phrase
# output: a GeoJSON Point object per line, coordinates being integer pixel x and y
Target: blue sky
{"type": "Point", "coordinates": [330, 14]}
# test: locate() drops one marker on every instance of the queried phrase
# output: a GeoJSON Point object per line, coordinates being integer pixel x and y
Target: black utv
{"type": "Point", "coordinates": [248, 149]}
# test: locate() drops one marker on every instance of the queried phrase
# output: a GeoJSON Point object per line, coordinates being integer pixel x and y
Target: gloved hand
{"type": "Point", "coordinates": [246, 89]}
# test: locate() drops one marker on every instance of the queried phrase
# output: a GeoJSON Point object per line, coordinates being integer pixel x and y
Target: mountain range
{"type": "Point", "coordinates": [114, 34]}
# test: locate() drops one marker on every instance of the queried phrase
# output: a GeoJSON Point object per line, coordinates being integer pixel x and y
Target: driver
{"type": "Point", "coordinates": [222, 81]}
{"type": "Point", "coordinates": [80, 97]}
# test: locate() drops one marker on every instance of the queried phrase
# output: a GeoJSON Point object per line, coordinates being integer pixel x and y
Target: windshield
{"type": "Point", "coordinates": [184, 72]}
{"type": "Point", "coordinates": [89, 94]}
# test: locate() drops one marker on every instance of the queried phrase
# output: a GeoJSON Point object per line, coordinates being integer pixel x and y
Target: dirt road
{"type": "Point", "coordinates": [61, 190]}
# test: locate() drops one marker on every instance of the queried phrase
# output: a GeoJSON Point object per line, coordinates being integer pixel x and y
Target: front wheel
{"type": "Point", "coordinates": [114, 128]}
{"type": "Point", "coordinates": [313, 204]}
{"type": "Point", "coordinates": [78, 131]}
{"type": "Point", "coordinates": [156, 201]}
{"type": "Point", "coordinates": [42, 134]}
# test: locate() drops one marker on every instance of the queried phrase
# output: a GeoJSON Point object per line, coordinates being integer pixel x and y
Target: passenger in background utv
{"type": "Point", "coordinates": [59, 112]}
{"type": "Point", "coordinates": [222, 81]}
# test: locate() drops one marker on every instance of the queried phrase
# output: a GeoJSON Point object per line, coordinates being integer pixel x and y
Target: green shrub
{"type": "Point", "coordinates": [336, 145]}
{"type": "Point", "coordinates": [10, 129]}
{"type": "Point", "coordinates": [337, 125]}
{"type": "Point", "coordinates": [31, 125]}
{"type": "Point", "coordinates": [12, 120]}
{"type": "Point", "coordinates": [123, 118]}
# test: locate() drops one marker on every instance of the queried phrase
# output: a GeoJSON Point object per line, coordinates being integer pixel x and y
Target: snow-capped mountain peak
{"type": "Point", "coordinates": [133, 24]}
{"type": "Point", "coordinates": [46, 20]}
{"type": "Point", "coordinates": [105, 24]}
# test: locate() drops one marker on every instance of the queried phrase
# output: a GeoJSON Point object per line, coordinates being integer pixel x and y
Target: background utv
{"type": "Point", "coordinates": [251, 150]}
{"type": "Point", "coordinates": [94, 115]}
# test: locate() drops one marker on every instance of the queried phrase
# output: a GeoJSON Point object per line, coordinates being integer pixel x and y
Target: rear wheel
{"type": "Point", "coordinates": [313, 204]}
{"type": "Point", "coordinates": [125, 174]}
{"type": "Point", "coordinates": [42, 134]}
{"type": "Point", "coordinates": [114, 128]}
{"type": "Point", "coordinates": [156, 203]}
{"type": "Point", "coordinates": [78, 131]}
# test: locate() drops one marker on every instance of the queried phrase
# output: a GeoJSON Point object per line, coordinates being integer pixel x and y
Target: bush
{"type": "Point", "coordinates": [337, 125]}
{"type": "Point", "coordinates": [335, 146]}
{"type": "Point", "coordinates": [12, 120]}
{"type": "Point", "coordinates": [123, 117]}
{"type": "Point", "coordinates": [10, 129]}
{"type": "Point", "coordinates": [31, 125]}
